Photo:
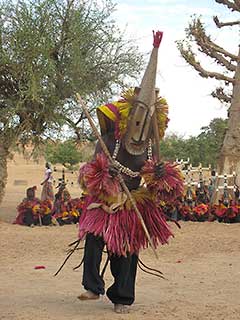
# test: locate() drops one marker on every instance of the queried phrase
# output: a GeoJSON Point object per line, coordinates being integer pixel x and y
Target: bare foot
{"type": "Point", "coordinates": [121, 308]}
{"type": "Point", "coordinates": [88, 295]}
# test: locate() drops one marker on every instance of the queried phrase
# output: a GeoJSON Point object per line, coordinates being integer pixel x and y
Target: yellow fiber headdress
{"type": "Point", "coordinates": [118, 112]}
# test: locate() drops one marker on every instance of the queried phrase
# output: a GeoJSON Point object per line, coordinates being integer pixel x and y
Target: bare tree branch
{"type": "Point", "coordinates": [232, 5]}
{"type": "Point", "coordinates": [76, 129]}
{"type": "Point", "coordinates": [189, 56]}
{"type": "Point", "coordinates": [225, 53]}
{"type": "Point", "coordinates": [224, 24]}
{"type": "Point", "coordinates": [80, 119]}
{"type": "Point", "coordinates": [218, 57]}
{"type": "Point", "coordinates": [208, 74]}
{"type": "Point", "coordinates": [197, 32]}
{"type": "Point", "coordinates": [221, 95]}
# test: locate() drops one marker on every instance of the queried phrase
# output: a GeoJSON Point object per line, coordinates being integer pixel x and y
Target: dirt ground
{"type": "Point", "coordinates": [201, 264]}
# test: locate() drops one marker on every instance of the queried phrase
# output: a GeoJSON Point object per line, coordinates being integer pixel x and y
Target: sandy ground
{"type": "Point", "coordinates": [202, 265]}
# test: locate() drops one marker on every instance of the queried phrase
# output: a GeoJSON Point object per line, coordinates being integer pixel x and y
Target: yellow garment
{"type": "Point", "coordinates": [65, 214]}
{"type": "Point", "coordinates": [36, 208]}
{"type": "Point", "coordinates": [47, 211]}
{"type": "Point", "coordinates": [74, 213]}
{"type": "Point", "coordinates": [103, 111]}
{"type": "Point", "coordinates": [121, 200]}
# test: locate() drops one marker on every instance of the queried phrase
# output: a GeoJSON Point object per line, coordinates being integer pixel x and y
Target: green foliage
{"type": "Point", "coordinates": [65, 153]}
{"type": "Point", "coordinates": [51, 49]}
{"type": "Point", "coordinates": [211, 140]}
{"type": "Point", "coordinates": [172, 147]}
{"type": "Point", "coordinates": [68, 153]}
{"type": "Point", "coordinates": [203, 148]}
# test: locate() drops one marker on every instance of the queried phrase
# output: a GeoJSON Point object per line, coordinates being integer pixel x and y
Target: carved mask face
{"type": "Point", "coordinates": [139, 127]}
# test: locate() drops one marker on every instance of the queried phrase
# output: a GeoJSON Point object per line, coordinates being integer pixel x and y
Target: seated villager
{"type": "Point", "coordinates": [185, 209]}
{"type": "Point", "coordinates": [189, 196]}
{"type": "Point", "coordinates": [76, 208]}
{"type": "Point", "coordinates": [32, 211]}
{"type": "Point", "coordinates": [228, 212]}
{"type": "Point", "coordinates": [65, 209]}
{"type": "Point", "coordinates": [44, 213]}
{"type": "Point", "coordinates": [211, 188]}
{"type": "Point", "coordinates": [178, 203]}
{"type": "Point", "coordinates": [195, 204]}
{"type": "Point", "coordinates": [201, 212]}
{"type": "Point", "coordinates": [202, 194]}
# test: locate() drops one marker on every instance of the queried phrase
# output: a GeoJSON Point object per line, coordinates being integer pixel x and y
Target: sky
{"type": "Point", "coordinates": [191, 106]}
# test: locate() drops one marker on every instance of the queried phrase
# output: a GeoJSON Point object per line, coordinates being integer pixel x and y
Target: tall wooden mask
{"type": "Point", "coordinates": [139, 127]}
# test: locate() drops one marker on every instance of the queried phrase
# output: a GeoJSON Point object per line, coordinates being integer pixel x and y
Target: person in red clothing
{"type": "Point", "coordinates": [32, 211]}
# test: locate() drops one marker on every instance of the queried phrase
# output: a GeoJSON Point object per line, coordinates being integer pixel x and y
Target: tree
{"type": "Point", "coordinates": [228, 160]}
{"type": "Point", "coordinates": [66, 153]}
{"type": "Point", "coordinates": [210, 141]}
{"type": "Point", "coordinates": [49, 50]}
{"type": "Point", "coordinates": [172, 147]}
{"type": "Point", "coordinates": [200, 149]}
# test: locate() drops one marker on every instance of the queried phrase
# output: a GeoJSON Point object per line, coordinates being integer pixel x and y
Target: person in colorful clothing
{"type": "Point", "coordinates": [25, 208]}
{"type": "Point", "coordinates": [108, 217]}
{"type": "Point", "coordinates": [32, 211]}
{"type": "Point", "coordinates": [47, 189]}
{"type": "Point", "coordinates": [65, 209]}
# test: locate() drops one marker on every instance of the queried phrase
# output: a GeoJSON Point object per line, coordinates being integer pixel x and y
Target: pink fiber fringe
{"type": "Point", "coordinates": [167, 188]}
{"type": "Point", "coordinates": [122, 231]}
{"type": "Point", "coordinates": [95, 177]}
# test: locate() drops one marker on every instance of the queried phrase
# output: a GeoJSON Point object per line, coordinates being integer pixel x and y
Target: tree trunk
{"type": "Point", "coordinates": [4, 152]}
{"type": "Point", "coordinates": [229, 158]}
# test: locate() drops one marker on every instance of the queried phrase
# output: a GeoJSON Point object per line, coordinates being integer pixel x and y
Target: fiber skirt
{"type": "Point", "coordinates": [122, 231]}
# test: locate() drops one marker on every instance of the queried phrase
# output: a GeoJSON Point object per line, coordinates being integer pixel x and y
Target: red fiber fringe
{"type": "Point", "coordinates": [122, 231]}
{"type": "Point", "coordinates": [167, 188]}
{"type": "Point", "coordinates": [95, 177]}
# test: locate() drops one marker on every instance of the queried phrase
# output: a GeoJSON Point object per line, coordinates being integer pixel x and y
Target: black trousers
{"type": "Point", "coordinates": [123, 269]}
{"type": "Point", "coordinates": [28, 219]}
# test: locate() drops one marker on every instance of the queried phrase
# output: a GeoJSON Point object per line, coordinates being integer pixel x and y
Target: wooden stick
{"type": "Point", "coordinates": [156, 135]}
{"type": "Point", "coordinates": [122, 182]}
{"type": "Point", "coordinates": [40, 219]}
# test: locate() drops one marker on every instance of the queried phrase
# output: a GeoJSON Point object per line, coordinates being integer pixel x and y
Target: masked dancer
{"type": "Point", "coordinates": [108, 217]}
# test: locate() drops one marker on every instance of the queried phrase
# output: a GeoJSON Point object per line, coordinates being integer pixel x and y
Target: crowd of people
{"type": "Point", "coordinates": [58, 209]}
{"type": "Point", "coordinates": [197, 205]}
